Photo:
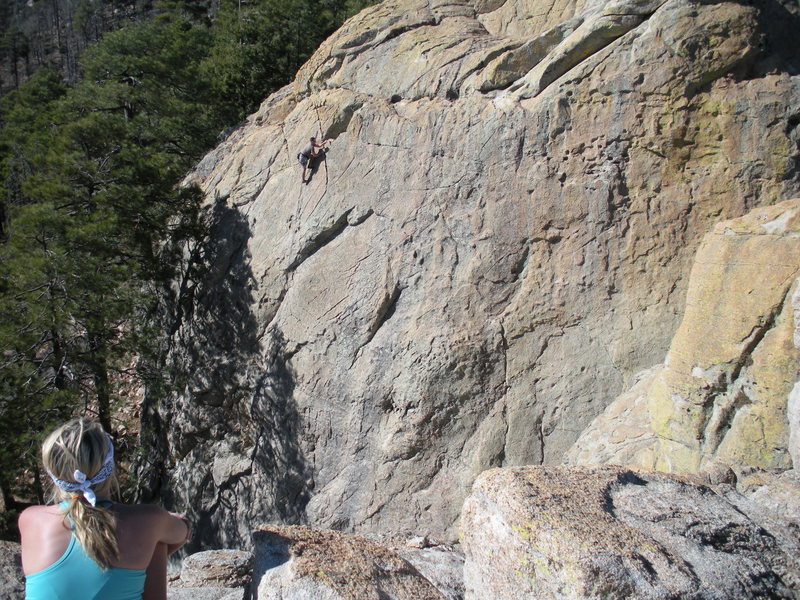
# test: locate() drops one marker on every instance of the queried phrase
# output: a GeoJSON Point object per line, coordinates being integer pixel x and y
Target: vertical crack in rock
{"type": "Point", "coordinates": [503, 395]}
{"type": "Point", "coordinates": [757, 335]}
{"type": "Point", "coordinates": [723, 411]}
{"type": "Point", "coordinates": [520, 151]}
{"type": "Point", "coordinates": [504, 343]}
{"type": "Point", "coordinates": [540, 435]}
{"type": "Point", "coordinates": [730, 394]}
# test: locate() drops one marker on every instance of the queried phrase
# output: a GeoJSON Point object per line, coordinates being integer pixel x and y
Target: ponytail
{"type": "Point", "coordinates": [95, 528]}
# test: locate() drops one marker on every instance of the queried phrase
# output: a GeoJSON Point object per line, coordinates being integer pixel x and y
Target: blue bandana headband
{"type": "Point", "coordinates": [82, 483]}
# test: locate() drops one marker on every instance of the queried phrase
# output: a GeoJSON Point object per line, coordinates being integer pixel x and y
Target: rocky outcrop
{"type": "Point", "coordinates": [612, 533]}
{"type": "Point", "coordinates": [441, 564]}
{"type": "Point", "coordinates": [497, 242]}
{"type": "Point", "coordinates": [214, 575]}
{"type": "Point", "coordinates": [725, 392]}
{"type": "Point", "coordinates": [295, 563]}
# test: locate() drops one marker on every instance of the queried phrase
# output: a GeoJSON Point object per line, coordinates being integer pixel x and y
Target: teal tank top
{"type": "Point", "coordinates": [75, 575]}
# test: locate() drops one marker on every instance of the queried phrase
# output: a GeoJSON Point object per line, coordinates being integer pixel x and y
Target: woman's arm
{"type": "Point", "coordinates": [155, 583]}
{"type": "Point", "coordinates": [171, 532]}
{"type": "Point", "coordinates": [176, 532]}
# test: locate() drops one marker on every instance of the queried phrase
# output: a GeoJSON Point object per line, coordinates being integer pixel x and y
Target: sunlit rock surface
{"type": "Point", "coordinates": [296, 563]}
{"type": "Point", "coordinates": [725, 391]}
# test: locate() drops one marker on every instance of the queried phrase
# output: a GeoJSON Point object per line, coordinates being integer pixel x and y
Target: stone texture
{"type": "Point", "coordinates": [725, 390]}
{"type": "Point", "coordinates": [206, 593]}
{"type": "Point", "coordinates": [497, 242]}
{"type": "Point", "coordinates": [12, 581]}
{"type": "Point", "coordinates": [442, 565]}
{"type": "Point", "coordinates": [778, 493]}
{"type": "Point", "coordinates": [612, 533]}
{"type": "Point", "coordinates": [295, 563]}
{"type": "Point", "coordinates": [217, 568]}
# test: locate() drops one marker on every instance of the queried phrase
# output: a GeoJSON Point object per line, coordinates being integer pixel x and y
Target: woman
{"type": "Point", "coordinates": [88, 547]}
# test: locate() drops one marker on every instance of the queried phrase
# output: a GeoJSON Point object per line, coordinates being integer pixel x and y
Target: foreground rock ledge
{"type": "Point", "coordinates": [610, 532]}
{"type": "Point", "coordinates": [298, 563]}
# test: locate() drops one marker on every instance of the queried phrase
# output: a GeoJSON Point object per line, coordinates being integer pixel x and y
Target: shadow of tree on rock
{"type": "Point", "coordinates": [224, 440]}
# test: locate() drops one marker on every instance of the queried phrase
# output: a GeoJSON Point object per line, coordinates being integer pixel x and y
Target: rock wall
{"type": "Point", "coordinates": [497, 241]}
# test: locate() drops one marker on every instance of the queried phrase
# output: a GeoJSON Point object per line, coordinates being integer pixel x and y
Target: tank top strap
{"type": "Point", "coordinates": [64, 504]}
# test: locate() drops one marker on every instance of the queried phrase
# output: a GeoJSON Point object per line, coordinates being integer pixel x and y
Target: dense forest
{"type": "Point", "coordinates": [48, 32]}
{"type": "Point", "coordinates": [110, 104]}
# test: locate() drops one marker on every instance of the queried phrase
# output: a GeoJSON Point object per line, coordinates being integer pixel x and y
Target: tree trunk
{"type": "Point", "coordinates": [102, 386]}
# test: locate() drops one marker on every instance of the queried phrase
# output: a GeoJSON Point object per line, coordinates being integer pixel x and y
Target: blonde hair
{"type": "Point", "coordinates": [82, 445]}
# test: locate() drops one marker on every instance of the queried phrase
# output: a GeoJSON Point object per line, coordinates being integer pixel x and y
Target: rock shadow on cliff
{"type": "Point", "coordinates": [780, 21]}
{"type": "Point", "coordinates": [277, 451]}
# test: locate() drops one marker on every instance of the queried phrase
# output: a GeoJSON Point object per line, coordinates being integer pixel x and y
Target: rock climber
{"type": "Point", "coordinates": [309, 152]}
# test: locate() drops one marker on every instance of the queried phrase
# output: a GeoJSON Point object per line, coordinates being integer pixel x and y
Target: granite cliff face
{"type": "Point", "coordinates": [497, 242]}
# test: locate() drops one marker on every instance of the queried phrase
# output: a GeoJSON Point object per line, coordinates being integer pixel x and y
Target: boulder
{"type": "Point", "coordinates": [206, 593]}
{"type": "Point", "coordinates": [213, 575]}
{"type": "Point", "coordinates": [613, 533]}
{"type": "Point", "coordinates": [217, 568]}
{"type": "Point", "coordinates": [296, 563]}
{"type": "Point", "coordinates": [777, 492]}
{"type": "Point", "coordinates": [441, 564]}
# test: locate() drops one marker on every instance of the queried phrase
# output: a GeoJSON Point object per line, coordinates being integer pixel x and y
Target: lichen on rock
{"type": "Point", "coordinates": [725, 390]}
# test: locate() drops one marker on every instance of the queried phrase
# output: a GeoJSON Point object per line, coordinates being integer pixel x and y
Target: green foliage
{"type": "Point", "coordinates": [92, 221]}
{"type": "Point", "coordinates": [258, 46]}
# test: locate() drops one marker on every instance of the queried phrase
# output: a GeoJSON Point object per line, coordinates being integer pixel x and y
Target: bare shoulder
{"type": "Point", "coordinates": [36, 520]}
{"type": "Point", "coordinates": [32, 512]}
{"type": "Point", "coordinates": [36, 514]}
{"type": "Point", "coordinates": [140, 525]}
